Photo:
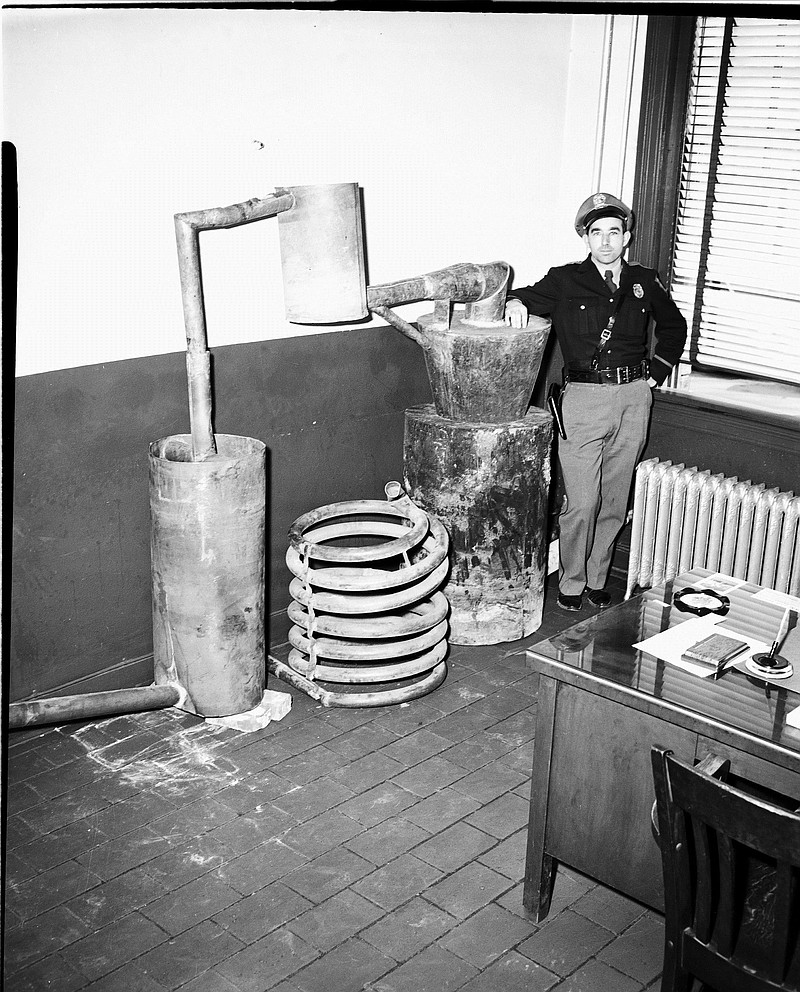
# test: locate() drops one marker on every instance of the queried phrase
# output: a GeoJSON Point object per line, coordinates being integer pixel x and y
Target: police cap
{"type": "Point", "coordinates": [602, 205]}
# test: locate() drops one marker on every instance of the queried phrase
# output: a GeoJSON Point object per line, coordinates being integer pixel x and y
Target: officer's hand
{"type": "Point", "coordinates": [516, 313]}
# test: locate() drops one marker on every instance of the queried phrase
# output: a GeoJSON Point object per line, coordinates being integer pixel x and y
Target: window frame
{"type": "Point", "coordinates": [666, 82]}
{"type": "Point", "coordinates": [662, 119]}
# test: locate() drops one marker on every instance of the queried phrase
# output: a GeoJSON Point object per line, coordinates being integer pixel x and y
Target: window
{"type": "Point", "coordinates": [735, 266]}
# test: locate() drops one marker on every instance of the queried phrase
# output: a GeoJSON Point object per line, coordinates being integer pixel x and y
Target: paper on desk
{"type": "Point", "coordinates": [670, 644]}
{"type": "Point", "coordinates": [782, 599]}
{"type": "Point", "coordinates": [793, 717]}
{"type": "Point", "coordinates": [719, 582]}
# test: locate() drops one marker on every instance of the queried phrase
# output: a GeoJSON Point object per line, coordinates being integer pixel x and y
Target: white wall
{"type": "Point", "coordinates": [473, 136]}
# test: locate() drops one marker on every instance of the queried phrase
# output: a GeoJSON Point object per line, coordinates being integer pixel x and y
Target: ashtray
{"type": "Point", "coordinates": [701, 602]}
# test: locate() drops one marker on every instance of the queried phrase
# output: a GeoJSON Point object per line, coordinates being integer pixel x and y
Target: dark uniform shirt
{"type": "Point", "coordinates": [579, 303]}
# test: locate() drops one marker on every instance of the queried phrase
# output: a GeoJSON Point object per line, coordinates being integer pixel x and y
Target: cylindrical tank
{"type": "Point", "coordinates": [208, 556]}
{"type": "Point", "coordinates": [488, 484]}
{"type": "Point", "coordinates": [322, 255]}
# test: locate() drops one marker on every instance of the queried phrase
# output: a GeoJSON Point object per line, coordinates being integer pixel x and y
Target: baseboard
{"type": "Point", "coordinates": [135, 672]}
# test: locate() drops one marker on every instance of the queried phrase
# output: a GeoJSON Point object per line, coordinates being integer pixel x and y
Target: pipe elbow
{"type": "Point", "coordinates": [496, 276]}
{"type": "Point", "coordinates": [489, 309]}
{"type": "Point", "coordinates": [394, 491]}
{"type": "Point", "coordinates": [397, 496]}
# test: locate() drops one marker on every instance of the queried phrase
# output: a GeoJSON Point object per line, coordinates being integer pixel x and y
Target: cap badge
{"type": "Point", "coordinates": [638, 292]}
{"type": "Point", "coordinates": [599, 200]}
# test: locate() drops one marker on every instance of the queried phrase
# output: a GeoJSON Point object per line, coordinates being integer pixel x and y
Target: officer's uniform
{"type": "Point", "coordinates": [606, 401]}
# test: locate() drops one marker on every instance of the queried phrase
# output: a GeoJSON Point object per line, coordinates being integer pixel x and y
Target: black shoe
{"type": "Point", "coordinates": [599, 598]}
{"type": "Point", "coordinates": [572, 603]}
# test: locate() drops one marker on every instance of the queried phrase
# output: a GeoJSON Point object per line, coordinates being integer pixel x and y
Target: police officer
{"type": "Point", "coordinates": [600, 310]}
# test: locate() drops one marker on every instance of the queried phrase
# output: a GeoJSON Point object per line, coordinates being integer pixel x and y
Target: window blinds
{"type": "Point", "coordinates": [736, 262]}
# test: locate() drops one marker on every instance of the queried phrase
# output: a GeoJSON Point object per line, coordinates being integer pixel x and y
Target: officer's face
{"type": "Point", "coordinates": [606, 240]}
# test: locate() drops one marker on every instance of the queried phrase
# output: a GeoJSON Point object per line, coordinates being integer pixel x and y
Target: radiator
{"type": "Point", "coordinates": [686, 517]}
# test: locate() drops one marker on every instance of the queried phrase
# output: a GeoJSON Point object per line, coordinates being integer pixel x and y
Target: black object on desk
{"type": "Point", "coordinates": [701, 602]}
{"type": "Point", "coordinates": [770, 662]}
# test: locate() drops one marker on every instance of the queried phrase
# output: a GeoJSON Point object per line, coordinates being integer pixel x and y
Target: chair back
{"type": "Point", "coordinates": [731, 892]}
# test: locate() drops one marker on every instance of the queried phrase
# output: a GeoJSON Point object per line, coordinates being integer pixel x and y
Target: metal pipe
{"type": "Point", "coordinates": [302, 532]}
{"type": "Point", "coordinates": [198, 360]}
{"type": "Point", "coordinates": [293, 678]}
{"type": "Point", "coordinates": [402, 325]}
{"type": "Point", "coordinates": [356, 700]}
{"type": "Point", "coordinates": [58, 709]}
{"type": "Point", "coordinates": [462, 283]}
{"type": "Point", "coordinates": [489, 310]}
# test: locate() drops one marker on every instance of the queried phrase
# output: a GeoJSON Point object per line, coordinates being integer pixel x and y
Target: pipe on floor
{"type": "Point", "coordinates": [60, 709]}
{"type": "Point", "coordinates": [293, 678]}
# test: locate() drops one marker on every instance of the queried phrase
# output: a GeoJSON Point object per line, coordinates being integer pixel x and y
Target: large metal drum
{"type": "Point", "coordinates": [488, 484]}
{"type": "Point", "coordinates": [208, 567]}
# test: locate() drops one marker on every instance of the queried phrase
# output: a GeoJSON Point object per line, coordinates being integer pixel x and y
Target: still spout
{"type": "Point", "coordinates": [482, 287]}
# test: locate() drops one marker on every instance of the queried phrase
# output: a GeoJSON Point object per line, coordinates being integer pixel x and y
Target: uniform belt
{"type": "Point", "coordinates": [617, 376]}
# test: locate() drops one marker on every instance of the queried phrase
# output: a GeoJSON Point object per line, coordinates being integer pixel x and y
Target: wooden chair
{"type": "Point", "coordinates": [731, 882]}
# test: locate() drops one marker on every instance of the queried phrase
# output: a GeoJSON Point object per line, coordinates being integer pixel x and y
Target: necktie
{"type": "Point", "coordinates": [609, 278]}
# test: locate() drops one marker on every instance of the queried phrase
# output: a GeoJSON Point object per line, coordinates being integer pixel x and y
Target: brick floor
{"type": "Point", "coordinates": [337, 850]}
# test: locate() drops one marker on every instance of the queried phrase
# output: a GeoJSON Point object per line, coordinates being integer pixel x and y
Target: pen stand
{"type": "Point", "coordinates": [770, 666]}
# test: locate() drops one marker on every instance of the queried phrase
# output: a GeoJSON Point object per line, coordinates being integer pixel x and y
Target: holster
{"type": "Point", "coordinates": [555, 397]}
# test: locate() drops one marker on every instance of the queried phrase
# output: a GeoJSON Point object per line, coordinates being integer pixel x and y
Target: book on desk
{"type": "Point", "coordinates": [714, 651]}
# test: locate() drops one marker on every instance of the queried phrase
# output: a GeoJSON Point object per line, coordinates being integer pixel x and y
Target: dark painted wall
{"type": "Point", "coordinates": [329, 407]}
{"type": "Point", "coordinates": [751, 444]}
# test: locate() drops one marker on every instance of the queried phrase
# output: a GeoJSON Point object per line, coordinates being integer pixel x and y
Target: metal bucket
{"type": "Point", "coordinates": [483, 374]}
{"type": "Point", "coordinates": [208, 556]}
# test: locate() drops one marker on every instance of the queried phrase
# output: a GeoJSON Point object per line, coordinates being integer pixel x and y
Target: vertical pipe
{"type": "Point", "coordinates": [198, 360]}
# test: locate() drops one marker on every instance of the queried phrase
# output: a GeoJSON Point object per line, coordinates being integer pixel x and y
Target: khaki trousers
{"type": "Point", "coordinates": [606, 433]}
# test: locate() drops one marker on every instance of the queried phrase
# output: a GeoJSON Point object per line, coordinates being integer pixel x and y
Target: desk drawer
{"type": "Point", "coordinates": [754, 769]}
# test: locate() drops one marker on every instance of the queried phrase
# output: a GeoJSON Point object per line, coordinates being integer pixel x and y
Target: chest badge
{"type": "Point", "coordinates": [638, 292]}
